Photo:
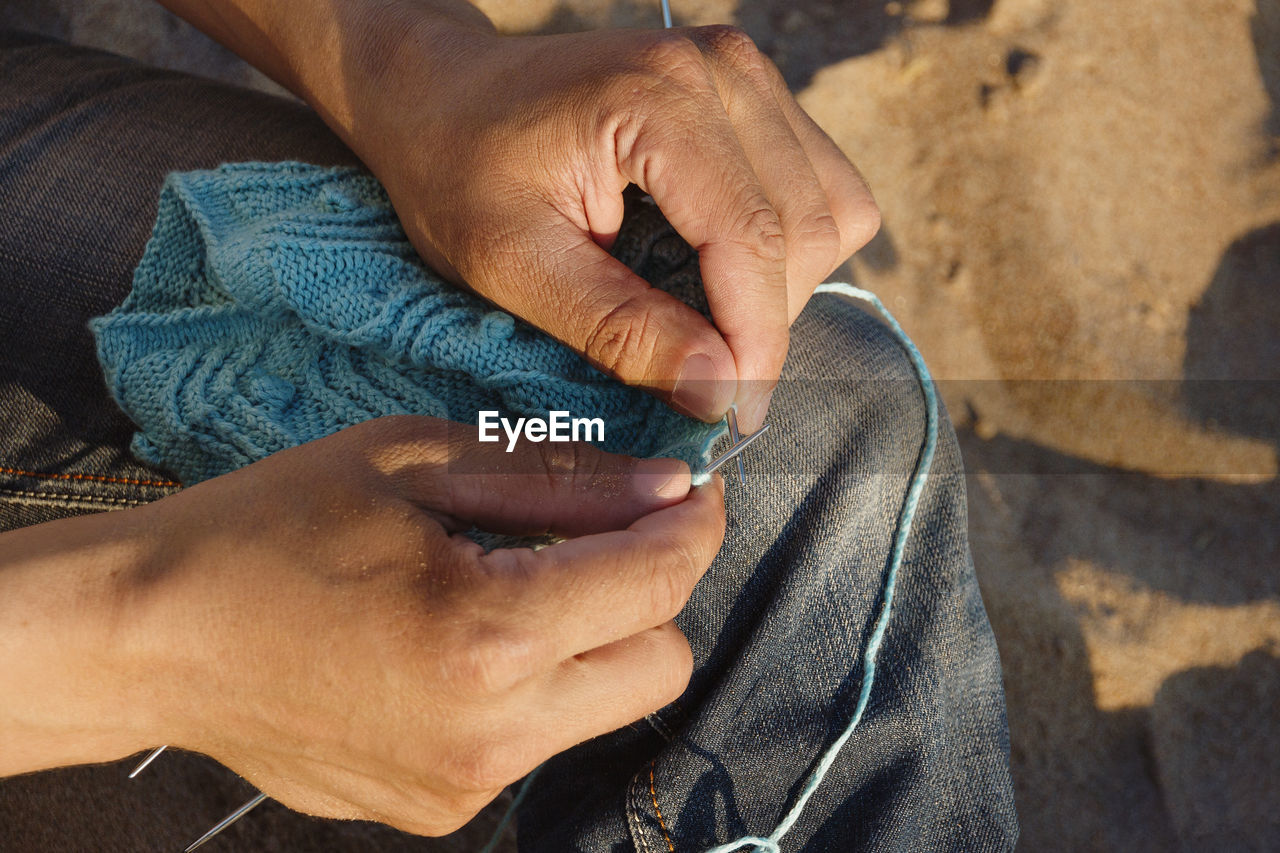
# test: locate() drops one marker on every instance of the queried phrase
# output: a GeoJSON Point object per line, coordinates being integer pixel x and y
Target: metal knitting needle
{"type": "Point", "coordinates": [732, 417]}
{"type": "Point", "coordinates": [736, 449]}
{"type": "Point", "coordinates": [732, 414]}
{"type": "Point", "coordinates": [151, 756]}
{"type": "Point", "coordinates": [227, 821]}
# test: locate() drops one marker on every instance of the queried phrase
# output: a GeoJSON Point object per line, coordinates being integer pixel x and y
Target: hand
{"type": "Point", "coordinates": [507, 167]}
{"type": "Point", "coordinates": [506, 158]}
{"type": "Point", "coordinates": [317, 623]}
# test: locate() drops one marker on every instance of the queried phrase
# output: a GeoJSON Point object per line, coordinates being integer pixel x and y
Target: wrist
{"type": "Point", "coordinates": [74, 691]}
{"type": "Point", "coordinates": [383, 57]}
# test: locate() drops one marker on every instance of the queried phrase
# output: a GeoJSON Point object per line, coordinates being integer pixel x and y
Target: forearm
{"type": "Point", "coordinates": [338, 54]}
{"type": "Point", "coordinates": [71, 686]}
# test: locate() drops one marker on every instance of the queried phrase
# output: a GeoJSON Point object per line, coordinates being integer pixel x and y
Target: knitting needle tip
{"type": "Point", "coordinates": [746, 442]}
{"type": "Point", "coordinates": [227, 821]}
{"type": "Point", "coordinates": [151, 756]}
{"type": "Point", "coordinates": [732, 417]}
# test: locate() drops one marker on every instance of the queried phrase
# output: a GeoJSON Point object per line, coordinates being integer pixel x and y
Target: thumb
{"type": "Point", "coordinates": [579, 294]}
{"type": "Point", "coordinates": [567, 488]}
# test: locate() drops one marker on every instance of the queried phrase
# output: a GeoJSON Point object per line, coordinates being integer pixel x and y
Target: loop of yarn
{"type": "Point", "coordinates": [772, 843]}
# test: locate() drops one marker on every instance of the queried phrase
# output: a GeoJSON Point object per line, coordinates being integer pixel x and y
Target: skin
{"type": "Point", "coordinates": [506, 158]}
{"type": "Point", "coordinates": [315, 621]}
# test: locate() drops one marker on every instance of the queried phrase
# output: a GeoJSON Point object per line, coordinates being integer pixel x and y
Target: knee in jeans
{"type": "Point", "coordinates": [858, 373]}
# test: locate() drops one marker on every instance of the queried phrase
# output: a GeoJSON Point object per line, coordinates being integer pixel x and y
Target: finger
{"type": "Point", "coordinates": [588, 592]}
{"type": "Point", "coordinates": [641, 335]}
{"type": "Point", "coordinates": [606, 688]}
{"type": "Point", "coordinates": [742, 75]}
{"type": "Point", "coordinates": [704, 183]}
{"type": "Point", "coordinates": [848, 196]}
{"type": "Point", "coordinates": [566, 488]}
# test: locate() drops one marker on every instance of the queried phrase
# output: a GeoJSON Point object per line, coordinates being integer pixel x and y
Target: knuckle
{"type": "Point", "coordinates": [483, 766]}
{"type": "Point", "coordinates": [729, 44]}
{"type": "Point", "coordinates": [815, 243]}
{"type": "Point", "coordinates": [667, 594]}
{"type": "Point", "coordinates": [491, 663]}
{"type": "Point", "coordinates": [558, 458]}
{"type": "Point", "coordinates": [820, 234]}
{"type": "Point", "coordinates": [673, 55]}
{"type": "Point", "coordinates": [673, 577]}
{"type": "Point", "coordinates": [861, 225]}
{"type": "Point", "coordinates": [408, 427]}
{"type": "Point", "coordinates": [504, 570]}
{"type": "Point", "coordinates": [570, 464]}
{"type": "Point", "coordinates": [701, 340]}
{"type": "Point", "coordinates": [442, 575]}
{"type": "Point", "coordinates": [396, 443]}
{"type": "Point", "coordinates": [762, 231]}
{"type": "Point", "coordinates": [370, 437]}
{"type": "Point", "coordinates": [589, 466]}
{"type": "Point", "coordinates": [624, 335]}
{"type": "Point", "coordinates": [676, 668]}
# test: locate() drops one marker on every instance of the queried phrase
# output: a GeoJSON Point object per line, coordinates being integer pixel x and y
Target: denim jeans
{"type": "Point", "coordinates": [777, 626]}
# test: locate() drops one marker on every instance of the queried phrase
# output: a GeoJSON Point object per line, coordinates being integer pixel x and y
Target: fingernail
{"type": "Point", "coordinates": [698, 390]}
{"type": "Point", "coordinates": [751, 416]}
{"type": "Point", "coordinates": [661, 478]}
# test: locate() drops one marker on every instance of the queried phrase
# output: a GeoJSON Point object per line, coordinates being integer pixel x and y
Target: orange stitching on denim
{"type": "Point", "coordinates": [86, 499]}
{"type": "Point", "coordinates": [98, 478]}
{"type": "Point", "coordinates": [654, 794]}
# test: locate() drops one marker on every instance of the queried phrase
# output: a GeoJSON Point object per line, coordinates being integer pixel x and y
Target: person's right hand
{"type": "Point", "coordinates": [317, 622]}
{"type": "Point", "coordinates": [506, 158]}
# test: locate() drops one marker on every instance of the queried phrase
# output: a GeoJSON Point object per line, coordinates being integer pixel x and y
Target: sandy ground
{"type": "Point", "coordinates": [1082, 231]}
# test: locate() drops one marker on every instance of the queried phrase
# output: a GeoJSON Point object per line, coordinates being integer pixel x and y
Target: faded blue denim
{"type": "Point", "coordinates": [777, 626]}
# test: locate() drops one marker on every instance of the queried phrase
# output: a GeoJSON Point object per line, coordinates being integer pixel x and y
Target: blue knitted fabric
{"type": "Point", "coordinates": [278, 303]}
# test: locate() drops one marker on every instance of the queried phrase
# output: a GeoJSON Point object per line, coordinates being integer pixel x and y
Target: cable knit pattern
{"type": "Point", "coordinates": [278, 303]}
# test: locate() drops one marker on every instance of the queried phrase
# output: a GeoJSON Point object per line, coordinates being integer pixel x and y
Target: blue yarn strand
{"type": "Point", "coordinates": [771, 844]}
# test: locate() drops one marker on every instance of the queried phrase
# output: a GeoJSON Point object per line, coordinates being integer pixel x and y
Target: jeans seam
{"type": "Point", "coordinates": [653, 794]}
{"type": "Point", "coordinates": [96, 478]}
{"type": "Point", "coordinates": [633, 816]}
{"type": "Point", "coordinates": [636, 803]}
{"type": "Point", "coordinates": [78, 499]}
